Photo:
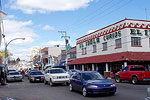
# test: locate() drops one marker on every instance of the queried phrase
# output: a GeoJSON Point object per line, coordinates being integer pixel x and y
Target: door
{"type": "Point", "coordinates": [124, 73]}
{"type": "Point", "coordinates": [78, 82]}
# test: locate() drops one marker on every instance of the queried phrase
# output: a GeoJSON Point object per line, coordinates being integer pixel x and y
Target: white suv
{"type": "Point", "coordinates": [56, 75]}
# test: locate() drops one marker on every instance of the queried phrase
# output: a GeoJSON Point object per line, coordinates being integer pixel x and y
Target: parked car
{"type": "Point", "coordinates": [91, 82]}
{"type": "Point", "coordinates": [36, 76]}
{"type": "Point", "coordinates": [29, 71]}
{"type": "Point", "coordinates": [14, 76]}
{"type": "Point", "coordinates": [11, 70]}
{"type": "Point", "coordinates": [71, 72]}
{"type": "Point", "coordinates": [56, 75]}
{"type": "Point", "coordinates": [133, 73]}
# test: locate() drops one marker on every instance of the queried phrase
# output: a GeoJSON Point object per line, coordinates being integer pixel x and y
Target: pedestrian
{"type": "Point", "coordinates": [23, 73]}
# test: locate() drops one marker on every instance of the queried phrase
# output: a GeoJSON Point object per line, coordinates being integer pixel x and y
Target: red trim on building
{"type": "Point", "coordinates": [114, 29]}
{"type": "Point", "coordinates": [116, 57]}
{"type": "Point", "coordinates": [136, 46]}
{"type": "Point", "coordinates": [117, 47]}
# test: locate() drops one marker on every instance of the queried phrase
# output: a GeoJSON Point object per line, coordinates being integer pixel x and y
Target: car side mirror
{"type": "Point", "coordinates": [78, 78]}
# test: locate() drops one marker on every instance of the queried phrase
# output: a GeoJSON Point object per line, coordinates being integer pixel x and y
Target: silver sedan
{"type": "Point", "coordinates": [14, 76]}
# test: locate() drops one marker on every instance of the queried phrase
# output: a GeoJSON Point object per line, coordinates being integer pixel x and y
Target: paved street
{"type": "Point", "coordinates": [40, 91]}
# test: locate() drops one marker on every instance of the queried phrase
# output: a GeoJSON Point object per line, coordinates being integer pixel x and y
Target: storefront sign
{"type": "Point", "coordinates": [112, 36]}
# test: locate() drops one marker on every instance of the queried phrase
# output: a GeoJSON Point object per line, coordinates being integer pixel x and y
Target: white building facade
{"type": "Point", "coordinates": [114, 46]}
{"type": "Point", "coordinates": [34, 51]}
{"type": "Point", "coordinates": [53, 53]}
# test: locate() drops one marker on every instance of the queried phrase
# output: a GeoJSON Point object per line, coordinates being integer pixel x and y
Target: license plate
{"type": "Point", "coordinates": [37, 79]}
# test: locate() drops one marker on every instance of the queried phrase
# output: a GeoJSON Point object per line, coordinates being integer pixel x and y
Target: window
{"type": "Point", "coordinates": [118, 43]}
{"type": "Point", "coordinates": [84, 51]}
{"type": "Point", "coordinates": [125, 69]}
{"type": "Point", "coordinates": [94, 48]}
{"type": "Point", "coordinates": [97, 40]}
{"type": "Point", "coordinates": [135, 41]}
{"type": "Point", "coordinates": [105, 46]}
{"type": "Point", "coordinates": [73, 55]}
{"type": "Point", "coordinates": [137, 68]}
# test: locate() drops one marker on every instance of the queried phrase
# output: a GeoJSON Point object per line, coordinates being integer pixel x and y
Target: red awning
{"type": "Point", "coordinates": [123, 56]}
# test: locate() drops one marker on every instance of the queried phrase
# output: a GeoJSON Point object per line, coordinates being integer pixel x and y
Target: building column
{"type": "Point", "coordinates": [74, 67]}
{"type": "Point", "coordinates": [82, 67]}
{"type": "Point", "coordinates": [106, 67]}
{"type": "Point", "coordinates": [92, 67]}
{"type": "Point", "coordinates": [96, 67]}
{"type": "Point", "coordinates": [107, 72]}
{"type": "Point", "coordinates": [125, 64]}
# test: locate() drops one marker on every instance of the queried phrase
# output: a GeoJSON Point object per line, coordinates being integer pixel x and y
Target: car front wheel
{"type": "Point", "coordinates": [84, 92]}
{"type": "Point", "coordinates": [45, 82]}
{"type": "Point", "coordinates": [51, 83]}
{"type": "Point", "coordinates": [71, 88]}
{"type": "Point", "coordinates": [117, 79]}
{"type": "Point", "coordinates": [134, 80]}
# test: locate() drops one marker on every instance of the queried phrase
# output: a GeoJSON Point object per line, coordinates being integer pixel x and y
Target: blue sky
{"type": "Point", "coordinates": [40, 20]}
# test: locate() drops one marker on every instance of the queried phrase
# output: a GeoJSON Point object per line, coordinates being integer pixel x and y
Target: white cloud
{"type": "Point", "coordinates": [10, 16]}
{"type": "Point", "coordinates": [52, 43]}
{"type": "Point", "coordinates": [47, 27]}
{"type": "Point", "coordinates": [90, 31]}
{"type": "Point", "coordinates": [23, 54]}
{"type": "Point", "coordinates": [31, 6]}
{"type": "Point", "coordinates": [19, 29]}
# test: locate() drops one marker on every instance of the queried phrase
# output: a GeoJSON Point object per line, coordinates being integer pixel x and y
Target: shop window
{"type": "Point", "coordinates": [94, 48]}
{"type": "Point", "coordinates": [94, 41]}
{"type": "Point", "coordinates": [136, 41]}
{"type": "Point", "coordinates": [104, 46]}
{"type": "Point", "coordinates": [97, 40]}
{"type": "Point", "coordinates": [84, 51]}
{"type": "Point", "coordinates": [118, 43]}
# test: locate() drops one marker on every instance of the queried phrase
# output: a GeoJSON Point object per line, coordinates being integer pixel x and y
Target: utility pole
{"type": "Point", "coordinates": [146, 12]}
{"type": "Point", "coordinates": [66, 42]}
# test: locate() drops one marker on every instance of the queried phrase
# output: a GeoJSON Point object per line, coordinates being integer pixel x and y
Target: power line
{"type": "Point", "coordinates": [92, 18]}
{"type": "Point", "coordinates": [0, 5]}
{"type": "Point", "coordinates": [90, 14]}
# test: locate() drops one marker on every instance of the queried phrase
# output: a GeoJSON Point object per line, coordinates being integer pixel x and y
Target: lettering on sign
{"type": "Point", "coordinates": [112, 36]}
{"type": "Point", "coordinates": [139, 32]}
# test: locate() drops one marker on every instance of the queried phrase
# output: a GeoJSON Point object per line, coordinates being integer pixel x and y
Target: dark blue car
{"type": "Point", "coordinates": [91, 83]}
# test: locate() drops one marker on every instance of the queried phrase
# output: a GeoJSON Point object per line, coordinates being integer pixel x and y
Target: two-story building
{"type": "Point", "coordinates": [71, 55]}
{"type": "Point", "coordinates": [114, 46]}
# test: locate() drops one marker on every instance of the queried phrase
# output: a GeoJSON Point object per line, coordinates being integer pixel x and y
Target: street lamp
{"type": "Point", "coordinates": [6, 45]}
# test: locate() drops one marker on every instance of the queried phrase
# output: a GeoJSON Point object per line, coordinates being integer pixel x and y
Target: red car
{"type": "Point", "coordinates": [133, 73]}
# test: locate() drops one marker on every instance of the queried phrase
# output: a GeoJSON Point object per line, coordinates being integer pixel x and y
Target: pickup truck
{"type": "Point", "coordinates": [133, 73]}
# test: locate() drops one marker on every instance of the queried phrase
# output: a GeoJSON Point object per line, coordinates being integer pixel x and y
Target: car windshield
{"type": "Point", "coordinates": [15, 73]}
{"type": "Point", "coordinates": [11, 70]}
{"type": "Point", "coordinates": [92, 76]}
{"type": "Point", "coordinates": [54, 71]}
{"type": "Point", "coordinates": [75, 70]}
{"type": "Point", "coordinates": [36, 73]}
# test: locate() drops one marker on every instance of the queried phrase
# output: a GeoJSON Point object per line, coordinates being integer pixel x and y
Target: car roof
{"type": "Point", "coordinates": [88, 72]}
{"type": "Point", "coordinates": [14, 72]}
{"type": "Point", "coordinates": [55, 68]}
